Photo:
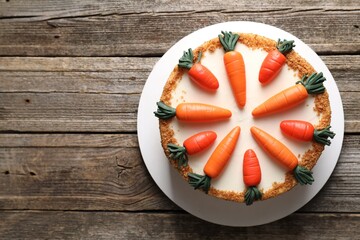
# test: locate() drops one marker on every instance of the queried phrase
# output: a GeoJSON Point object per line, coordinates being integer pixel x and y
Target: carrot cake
{"type": "Point", "coordinates": [236, 114]}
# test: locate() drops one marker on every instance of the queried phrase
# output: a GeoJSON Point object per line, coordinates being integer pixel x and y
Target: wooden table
{"type": "Point", "coordinates": [71, 75]}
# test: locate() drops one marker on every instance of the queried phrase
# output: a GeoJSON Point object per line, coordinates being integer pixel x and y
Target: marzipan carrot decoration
{"type": "Point", "coordinates": [235, 67]}
{"type": "Point", "coordinates": [198, 72]}
{"type": "Point", "coordinates": [252, 176]}
{"type": "Point", "coordinates": [216, 162]}
{"type": "Point", "coordinates": [191, 145]}
{"type": "Point", "coordinates": [274, 61]}
{"type": "Point", "coordinates": [305, 131]}
{"type": "Point", "coordinates": [282, 154]}
{"type": "Point", "coordinates": [292, 96]}
{"type": "Point", "coordinates": [192, 112]}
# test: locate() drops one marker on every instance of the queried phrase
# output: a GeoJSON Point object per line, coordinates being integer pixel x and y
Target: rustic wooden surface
{"type": "Point", "coordinates": [71, 75]}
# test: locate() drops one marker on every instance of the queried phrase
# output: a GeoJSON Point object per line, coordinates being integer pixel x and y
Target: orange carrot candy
{"type": "Point", "coordinates": [252, 176]}
{"type": "Point", "coordinates": [305, 131]}
{"type": "Point", "coordinates": [282, 154]}
{"type": "Point", "coordinates": [216, 162]}
{"type": "Point", "coordinates": [192, 112]}
{"type": "Point", "coordinates": [274, 61]}
{"type": "Point", "coordinates": [198, 72]}
{"type": "Point", "coordinates": [191, 145]}
{"type": "Point", "coordinates": [292, 96]}
{"type": "Point", "coordinates": [235, 67]}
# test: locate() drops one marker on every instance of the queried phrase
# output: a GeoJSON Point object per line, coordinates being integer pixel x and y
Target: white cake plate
{"type": "Point", "coordinates": [196, 202]}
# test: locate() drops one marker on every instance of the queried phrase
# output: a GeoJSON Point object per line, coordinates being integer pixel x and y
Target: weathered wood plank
{"type": "Point", "coordinates": [43, 9]}
{"type": "Point", "coordinates": [55, 171]}
{"type": "Point", "coordinates": [344, 69]}
{"type": "Point", "coordinates": [77, 178]}
{"type": "Point", "coordinates": [66, 112]}
{"type": "Point", "coordinates": [68, 140]}
{"type": "Point", "coordinates": [153, 34]}
{"type": "Point", "coordinates": [117, 225]}
{"type": "Point", "coordinates": [79, 64]}
{"type": "Point", "coordinates": [350, 101]}
{"type": "Point", "coordinates": [75, 75]}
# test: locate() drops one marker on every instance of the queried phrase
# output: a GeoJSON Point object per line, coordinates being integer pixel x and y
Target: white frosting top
{"type": "Point", "coordinates": [231, 177]}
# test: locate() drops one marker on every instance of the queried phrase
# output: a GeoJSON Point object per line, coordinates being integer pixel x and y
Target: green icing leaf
{"type": "Point", "coordinates": [178, 153]}
{"type": "Point", "coordinates": [252, 194]}
{"type": "Point", "coordinates": [186, 61]}
{"type": "Point", "coordinates": [199, 181]}
{"type": "Point", "coordinates": [321, 136]}
{"type": "Point", "coordinates": [228, 40]}
{"type": "Point", "coordinates": [314, 83]}
{"type": "Point", "coordinates": [285, 46]}
{"type": "Point", "coordinates": [303, 175]}
{"type": "Point", "coordinates": [164, 111]}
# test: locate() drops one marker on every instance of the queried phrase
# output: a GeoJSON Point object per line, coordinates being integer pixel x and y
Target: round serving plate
{"type": "Point", "coordinates": [196, 202]}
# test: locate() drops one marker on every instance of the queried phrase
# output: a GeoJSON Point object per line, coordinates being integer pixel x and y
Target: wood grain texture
{"type": "Point", "coordinates": [101, 94]}
{"type": "Point", "coordinates": [106, 172]}
{"type": "Point", "coordinates": [77, 178]}
{"type": "Point", "coordinates": [66, 112]}
{"type": "Point", "coordinates": [108, 75]}
{"type": "Point", "coordinates": [117, 225]}
{"type": "Point", "coordinates": [152, 34]}
{"type": "Point", "coordinates": [43, 9]}
{"type": "Point", "coordinates": [71, 75]}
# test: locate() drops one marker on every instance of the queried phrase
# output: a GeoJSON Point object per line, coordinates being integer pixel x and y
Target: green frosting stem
{"type": "Point", "coordinates": [285, 46]}
{"type": "Point", "coordinates": [164, 111]}
{"type": "Point", "coordinates": [187, 59]}
{"type": "Point", "coordinates": [303, 175]}
{"type": "Point", "coordinates": [199, 181]}
{"type": "Point", "coordinates": [178, 153]}
{"type": "Point", "coordinates": [321, 136]}
{"type": "Point", "coordinates": [228, 40]}
{"type": "Point", "coordinates": [314, 83]}
{"type": "Point", "coordinates": [252, 194]}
